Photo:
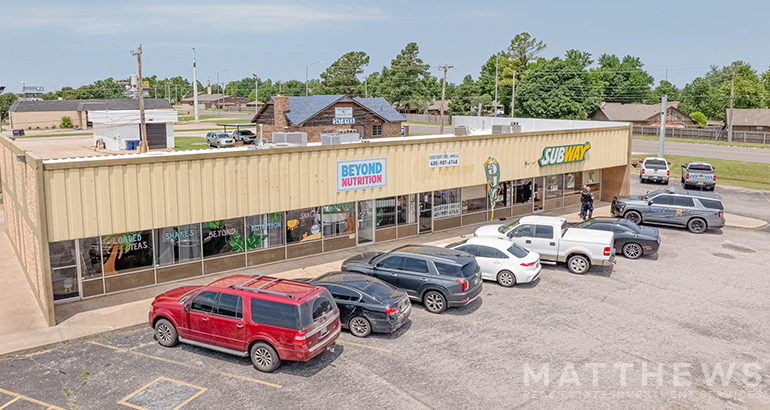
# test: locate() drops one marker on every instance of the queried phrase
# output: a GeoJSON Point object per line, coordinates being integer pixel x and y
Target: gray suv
{"type": "Point", "coordinates": [697, 211]}
{"type": "Point", "coordinates": [437, 277]}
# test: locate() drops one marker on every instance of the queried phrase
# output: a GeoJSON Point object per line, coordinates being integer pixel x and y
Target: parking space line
{"type": "Point", "coordinates": [379, 349]}
{"type": "Point", "coordinates": [18, 396]}
{"type": "Point", "coordinates": [125, 402]}
{"type": "Point", "coordinates": [190, 366]}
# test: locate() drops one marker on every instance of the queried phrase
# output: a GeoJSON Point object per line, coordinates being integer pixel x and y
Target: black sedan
{"type": "Point", "coordinates": [366, 304]}
{"type": "Point", "coordinates": [631, 239]}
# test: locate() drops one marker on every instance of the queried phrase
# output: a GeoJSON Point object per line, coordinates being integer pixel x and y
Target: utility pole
{"type": "Point", "coordinates": [732, 98]}
{"type": "Point", "coordinates": [366, 88]}
{"type": "Point", "coordinates": [513, 95]}
{"type": "Point", "coordinates": [444, 67]}
{"type": "Point", "coordinates": [662, 139]}
{"type": "Point", "coordinates": [307, 87]}
{"type": "Point", "coordinates": [256, 93]}
{"type": "Point", "coordinates": [143, 147]}
{"type": "Point", "coordinates": [195, 87]}
{"type": "Point", "coordinates": [497, 64]}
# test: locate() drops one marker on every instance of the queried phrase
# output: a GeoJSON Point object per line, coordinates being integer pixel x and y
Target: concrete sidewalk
{"type": "Point", "coordinates": [23, 328]}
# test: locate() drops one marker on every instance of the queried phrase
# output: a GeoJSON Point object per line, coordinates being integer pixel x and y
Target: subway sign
{"type": "Point", "coordinates": [564, 154]}
{"type": "Point", "coordinates": [362, 174]}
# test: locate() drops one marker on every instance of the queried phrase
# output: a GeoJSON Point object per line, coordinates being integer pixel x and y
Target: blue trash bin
{"type": "Point", "coordinates": [131, 145]}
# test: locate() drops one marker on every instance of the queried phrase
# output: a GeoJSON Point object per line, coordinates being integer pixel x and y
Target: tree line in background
{"type": "Point", "coordinates": [570, 87]}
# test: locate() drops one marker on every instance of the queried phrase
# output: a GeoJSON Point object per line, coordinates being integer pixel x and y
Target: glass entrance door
{"type": "Point", "coordinates": [426, 212]}
{"type": "Point", "coordinates": [365, 222]}
{"type": "Point", "coordinates": [539, 194]}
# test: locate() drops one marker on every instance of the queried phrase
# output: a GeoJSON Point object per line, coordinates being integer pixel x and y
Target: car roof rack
{"type": "Point", "coordinates": [261, 288]}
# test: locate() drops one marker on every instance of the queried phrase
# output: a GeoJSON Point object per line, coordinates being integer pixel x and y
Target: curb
{"type": "Point", "coordinates": [49, 346]}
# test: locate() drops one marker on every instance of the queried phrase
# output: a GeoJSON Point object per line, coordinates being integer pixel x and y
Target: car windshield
{"type": "Point", "coordinates": [246, 132]}
{"type": "Point", "coordinates": [584, 224]}
{"type": "Point", "coordinates": [653, 194]}
{"type": "Point", "coordinates": [699, 167]}
{"type": "Point", "coordinates": [456, 244]}
{"type": "Point", "coordinates": [222, 135]}
{"type": "Point", "coordinates": [518, 251]}
{"type": "Point", "coordinates": [379, 290]}
{"type": "Point", "coordinates": [314, 310]}
{"type": "Point", "coordinates": [655, 164]}
{"type": "Point", "coordinates": [506, 228]}
{"type": "Point", "coordinates": [469, 269]}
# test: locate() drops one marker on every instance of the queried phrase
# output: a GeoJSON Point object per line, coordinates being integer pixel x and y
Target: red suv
{"type": "Point", "coordinates": [268, 319]}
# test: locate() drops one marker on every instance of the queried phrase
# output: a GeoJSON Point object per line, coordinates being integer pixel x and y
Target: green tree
{"type": "Point", "coordinates": [623, 81]}
{"type": "Point", "coordinates": [466, 97]}
{"type": "Point", "coordinates": [6, 100]}
{"type": "Point", "coordinates": [558, 88]}
{"type": "Point", "coordinates": [699, 118]}
{"type": "Point", "coordinates": [407, 81]}
{"type": "Point", "coordinates": [766, 81]}
{"type": "Point", "coordinates": [341, 77]}
{"type": "Point", "coordinates": [66, 122]}
{"type": "Point", "coordinates": [664, 88]}
{"type": "Point", "coordinates": [710, 94]}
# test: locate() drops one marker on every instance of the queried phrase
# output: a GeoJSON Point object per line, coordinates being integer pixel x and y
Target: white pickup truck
{"type": "Point", "coordinates": [555, 242]}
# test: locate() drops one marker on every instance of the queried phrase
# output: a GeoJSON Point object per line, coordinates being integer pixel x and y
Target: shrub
{"type": "Point", "coordinates": [37, 128]}
{"type": "Point", "coordinates": [66, 122]}
{"type": "Point", "coordinates": [53, 127]}
{"type": "Point", "coordinates": [699, 118]}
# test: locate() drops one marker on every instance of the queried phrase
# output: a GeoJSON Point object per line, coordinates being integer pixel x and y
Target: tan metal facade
{"type": "Point", "coordinates": [101, 197]}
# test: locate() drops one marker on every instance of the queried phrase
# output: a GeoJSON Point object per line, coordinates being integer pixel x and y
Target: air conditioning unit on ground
{"type": "Point", "coordinates": [299, 138]}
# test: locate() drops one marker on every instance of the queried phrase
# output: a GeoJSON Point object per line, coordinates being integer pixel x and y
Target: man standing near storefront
{"type": "Point", "coordinates": [586, 203]}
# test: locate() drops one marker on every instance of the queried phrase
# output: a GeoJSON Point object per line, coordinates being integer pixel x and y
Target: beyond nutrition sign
{"type": "Point", "coordinates": [361, 174]}
{"type": "Point", "coordinates": [564, 154]}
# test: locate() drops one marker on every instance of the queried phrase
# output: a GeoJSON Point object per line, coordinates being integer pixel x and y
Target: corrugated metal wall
{"type": "Point", "coordinates": [89, 197]}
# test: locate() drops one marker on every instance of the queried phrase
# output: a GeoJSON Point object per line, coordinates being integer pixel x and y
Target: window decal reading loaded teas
{"type": "Point", "coordinates": [222, 237]}
{"type": "Point", "coordinates": [126, 252]}
{"type": "Point", "coordinates": [564, 154]}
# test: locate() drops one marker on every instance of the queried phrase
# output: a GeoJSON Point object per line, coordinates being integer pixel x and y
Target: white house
{"type": "Point", "coordinates": [117, 130]}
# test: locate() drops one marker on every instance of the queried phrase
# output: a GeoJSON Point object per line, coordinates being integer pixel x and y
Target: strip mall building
{"type": "Point", "coordinates": [87, 227]}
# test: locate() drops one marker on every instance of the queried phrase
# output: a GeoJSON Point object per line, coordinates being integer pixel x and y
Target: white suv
{"type": "Point", "coordinates": [654, 170]}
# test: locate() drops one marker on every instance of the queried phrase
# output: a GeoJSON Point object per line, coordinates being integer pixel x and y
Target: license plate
{"type": "Point", "coordinates": [476, 281]}
{"type": "Point", "coordinates": [324, 331]}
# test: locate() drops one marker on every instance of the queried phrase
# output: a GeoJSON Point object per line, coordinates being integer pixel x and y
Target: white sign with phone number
{"type": "Point", "coordinates": [447, 159]}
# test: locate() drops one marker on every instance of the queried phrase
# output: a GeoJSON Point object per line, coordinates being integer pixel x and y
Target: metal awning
{"type": "Point", "coordinates": [237, 126]}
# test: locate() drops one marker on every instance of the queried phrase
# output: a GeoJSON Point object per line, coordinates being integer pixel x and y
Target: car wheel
{"type": "Point", "coordinates": [506, 278]}
{"type": "Point", "coordinates": [696, 225]}
{"type": "Point", "coordinates": [578, 264]}
{"type": "Point", "coordinates": [359, 326]}
{"type": "Point", "coordinates": [434, 302]}
{"type": "Point", "coordinates": [165, 333]}
{"type": "Point", "coordinates": [632, 250]}
{"type": "Point", "coordinates": [641, 180]}
{"type": "Point", "coordinates": [634, 217]}
{"type": "Point", "coordinates": [264, 357]}
{"type": "Point", "coordinates": [665, 182]}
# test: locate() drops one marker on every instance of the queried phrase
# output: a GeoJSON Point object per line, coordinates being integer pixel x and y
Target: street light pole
{"type": "Point", "coordinates": [256, 93]}
{"type": "Point", "coordinates": [195, 87]}
{"type": "Point", "coordinates": [221, 92]}
{"type": "Point", "coordinates": [444, 67]}
{"type": "Point", "coordinates": [307, 79]}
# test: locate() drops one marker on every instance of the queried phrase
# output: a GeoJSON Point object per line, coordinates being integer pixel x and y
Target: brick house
{"type": "Point", "coordinates": [316, 114]}
{"type": "Point", "coordinates": [749, 119]}
{"type": "Point", "coordinates": [642, 114]}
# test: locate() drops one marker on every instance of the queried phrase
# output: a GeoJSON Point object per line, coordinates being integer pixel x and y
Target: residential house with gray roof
{"type": "Point", "coordinates": [642, 114]}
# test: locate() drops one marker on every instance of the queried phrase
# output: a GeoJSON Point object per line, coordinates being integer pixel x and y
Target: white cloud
{"type": "Point", "coordinates": [111, 18]}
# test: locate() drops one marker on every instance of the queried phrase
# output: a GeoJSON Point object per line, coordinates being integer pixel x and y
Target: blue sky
{"type": "Point", "coordinates": [59, 43]}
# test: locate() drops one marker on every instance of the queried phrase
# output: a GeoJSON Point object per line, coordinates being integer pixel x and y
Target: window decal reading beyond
{"type": "Point", "coordinates": [564, 154]}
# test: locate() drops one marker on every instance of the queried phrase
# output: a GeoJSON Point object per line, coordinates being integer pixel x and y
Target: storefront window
{"type": "Point", "coordinates": [407, 209]}
{"type": "Point", "coordinates": [264, 231]}
{"type": "Point", "coordinates": [503, 195]}
{"type": "Point", "coordinates": [446, 203]}
{"type": "Point", "coordinates": [339, 219]}
{"type": "Point", "coordinates": [126, 252]}
{"type": "Point", "coordinates": [385, 213]}
{"type": "Point", "coordinates": [554, 186]}
{"type": "Point", "coordinates": [178, 244]}
{"type": "Point", "coordinates": [90, 257]}
{"type": "Point", "coordinates": [222, 237]}
{"type": "Point", "coordinates": [523, 191]}
{"type": "Point", "coordinates": [64, 271]}
{"type": "Point", "coordinates": [593, 179]}
{"type": "Point", "coordinates": [573, 182]}
{"type": "Point", "coordinates": [303, 225]}
{"type": "Point", "coordinates": [474, 198]}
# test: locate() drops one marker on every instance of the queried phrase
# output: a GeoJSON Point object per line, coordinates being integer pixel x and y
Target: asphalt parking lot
{"type": "Point", "coordinates": [702, 300]}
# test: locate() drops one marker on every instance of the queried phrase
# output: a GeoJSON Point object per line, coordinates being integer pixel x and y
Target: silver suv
{"type": "Point", "coordinates": [697, 211]}
{"type": "Point", "coordinates": [219, 139]}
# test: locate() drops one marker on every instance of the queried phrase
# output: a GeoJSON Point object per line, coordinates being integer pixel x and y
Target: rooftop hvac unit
{"type": "Point", "coordinates": [299, 138]}
{"type": "Point", "coordinates": [339, 138]}
{"type": "Point", "coordinates": [511, 128]}
{"type": "Point", "coordinates": [461, 130]}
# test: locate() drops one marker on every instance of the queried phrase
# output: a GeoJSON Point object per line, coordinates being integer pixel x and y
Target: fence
{"type": "Point", "coordinates": [428, 118]}
{"type": "Point", "coordinates": [712, 133]}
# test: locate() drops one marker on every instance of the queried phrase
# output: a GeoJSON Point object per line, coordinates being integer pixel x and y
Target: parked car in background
{"type": "Point", "coordinates": [632, 240]}
{"type": "Point", "coordinates": [267, 319]}
{"type": "Point", "coordinates": [219, 139]}
{"type": "Point", "coordinates": [437, 277]}
{"type": "Point", "coordinates": [555, 241]}
{"type": "Point", "coordinates": [500, 260]}
{"type": "Point", "coordinates": [366, 304]}
{"type": "Point", "coordinates": [697, 211]}
{"type": "Point", "coordinates": [654, 170]}
{"type": "Point", "coordinates": [698, 175]}
{"type": "Point", "coordinates": [244, 136]}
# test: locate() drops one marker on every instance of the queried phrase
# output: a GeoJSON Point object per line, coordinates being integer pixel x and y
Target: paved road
{"type": "Point", "coordinates": [704, 150]}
